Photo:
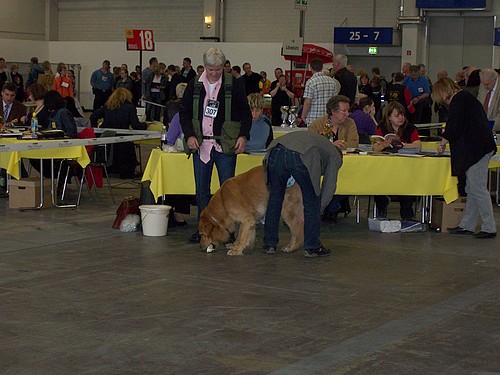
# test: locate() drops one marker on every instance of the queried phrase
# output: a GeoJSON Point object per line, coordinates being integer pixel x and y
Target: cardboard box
{"type": "Point", "coordinates": [26, 193]}
{"type": "Point", "coordinates": [447, 215]}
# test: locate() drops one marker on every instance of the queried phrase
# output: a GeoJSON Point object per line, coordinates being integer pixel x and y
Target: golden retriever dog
{"type": "Point", "coordinates": [238, 206]}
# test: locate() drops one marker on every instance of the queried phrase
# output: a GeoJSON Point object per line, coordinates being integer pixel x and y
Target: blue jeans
{"type": "Point", "coordinates": [282, 164]}
{"type": "Point", "coordinates": [226, 165]}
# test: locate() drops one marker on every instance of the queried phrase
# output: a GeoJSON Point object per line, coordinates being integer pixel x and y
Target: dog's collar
{"type": "Point", "coordinates": [217, 222]}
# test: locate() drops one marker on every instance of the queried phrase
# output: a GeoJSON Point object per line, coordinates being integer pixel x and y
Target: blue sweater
{"type": "Point", "coordinates": [261, 134]}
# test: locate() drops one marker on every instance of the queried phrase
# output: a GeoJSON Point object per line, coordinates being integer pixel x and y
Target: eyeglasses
{"type": "Point", "coordinates": [345, 111]}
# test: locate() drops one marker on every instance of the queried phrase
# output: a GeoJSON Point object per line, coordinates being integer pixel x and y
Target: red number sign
{"type": "Point", "coordinates": [140, 40]}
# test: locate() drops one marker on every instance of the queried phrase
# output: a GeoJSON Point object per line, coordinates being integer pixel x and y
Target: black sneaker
{"type": "Point", "coordinates": [313, 253]}
{"type": "Point", "coordinates": [195, 238]}
{"type": "Point", "coordinates": [459, 230]}
{"type": "Point", "coordinates": [482, 235]}
{"type": "Point", "coordinates": [269, 249]}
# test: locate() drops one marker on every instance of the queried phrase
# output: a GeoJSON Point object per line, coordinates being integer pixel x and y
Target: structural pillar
{"type": "Point", "coordinates": [413, 38]}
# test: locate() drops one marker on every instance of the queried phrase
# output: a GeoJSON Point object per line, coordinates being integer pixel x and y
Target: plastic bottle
{"type": "Point", "coordinates": [163, 138]}
{"type": "Point", "coordinates": [34, 125]}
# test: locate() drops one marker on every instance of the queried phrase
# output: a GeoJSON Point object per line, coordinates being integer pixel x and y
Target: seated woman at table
{"type": "Point", "coordinates": [173, 107]}
{"type": "Point", "coordinates": [181, 203]}
{"type": "Point", "coordinates": [36, 94]}
{"type": "Point", "coordinates": [363, 115]}
{"type": "Point", "coordinates": [342, 132]}
{"type": "Point", "coordinates": [261, 132]}
{"type": "Point", "coordinates": [175, 129]}
{"type": "Point", "coordinates": [120, 113]}
{"type": "Point", "coordinates": [59, 117]}
{"type": "Point", "coordinates": [394, 121]}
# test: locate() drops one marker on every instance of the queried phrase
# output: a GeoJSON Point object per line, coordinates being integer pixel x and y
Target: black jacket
{"type": "Point", "coordinates": [174, 81]}
{"type": "Point", "coordinates": [396, 93]}
{"type": "Point", "coordinates": [191, 74]}
{"type": "Point", "coordinates": [468, 132]}
{"type": "Point", "coordinates": [64, 121]}
{"type": "Point", "coordinates": [120, 118]}
{"type": "Point", "coordinates": [348, 84]}
{"type": "Point", "coordinates": [240, 110]}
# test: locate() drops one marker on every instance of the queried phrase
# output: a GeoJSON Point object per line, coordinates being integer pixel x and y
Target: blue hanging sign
{"type": "Point", "coordinates": [362, 35]}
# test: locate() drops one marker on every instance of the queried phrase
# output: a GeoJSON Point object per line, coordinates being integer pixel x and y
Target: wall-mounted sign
{"type": "Point", "coordinates": [140, 40]}
{"type": "Point", "coordinates": [362, 35]}
{"type": "Point", "coordinates": [451, 4]}
{"type": "Point", "coordinates": [292, 47]}
{"type": "Point", "coordinates": [373, 50]}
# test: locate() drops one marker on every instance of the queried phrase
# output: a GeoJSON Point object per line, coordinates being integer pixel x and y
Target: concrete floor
{"type": "Point", "coordinates": [78, 297]}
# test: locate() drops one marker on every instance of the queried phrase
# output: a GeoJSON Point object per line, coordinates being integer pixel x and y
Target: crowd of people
{"type": "Point", "coordinates": [218, 109]}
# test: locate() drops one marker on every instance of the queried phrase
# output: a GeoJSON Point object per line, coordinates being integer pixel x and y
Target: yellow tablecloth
{"type": "Point", "coordinates": [172, 173]}
{"type": "Point", "coordinates": [494, 163]}
{"type": "Point", "coordinates": [10, 160]}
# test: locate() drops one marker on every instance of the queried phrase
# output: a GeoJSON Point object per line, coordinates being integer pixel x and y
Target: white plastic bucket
{"type": "Point", "coordinates": [154, 220]}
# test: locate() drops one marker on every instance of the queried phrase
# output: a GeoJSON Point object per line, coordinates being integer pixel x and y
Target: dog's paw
{"type": "Point", "coordinates": [235, 252]}
{"type": "Point", "coordinates": [288, 249]}
{"type": "Point", "coordinates": [229, 245]}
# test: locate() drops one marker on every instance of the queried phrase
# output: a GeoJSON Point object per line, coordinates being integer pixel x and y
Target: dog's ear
{"type": "Point", "coordinates": [211, 225]}
{"type": "Point", "coordinates": [205, 225]}
{"type": "Point", "coordinates": [216, 211]}
{"type": "Point", "coordinates": [207, 217]}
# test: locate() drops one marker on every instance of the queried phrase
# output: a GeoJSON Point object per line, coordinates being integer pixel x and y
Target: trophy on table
{"type": "Point", "coordinates": [284, 115]}
{"type": "Point", "coordinates": [292, 115]}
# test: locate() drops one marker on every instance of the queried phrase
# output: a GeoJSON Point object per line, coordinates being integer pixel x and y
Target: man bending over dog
{"type": "Point", "coordinates": [305, 156]}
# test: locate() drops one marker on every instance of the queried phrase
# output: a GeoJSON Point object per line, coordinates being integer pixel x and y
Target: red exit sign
{"type": "Point", "coordinates": [140, 40]}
